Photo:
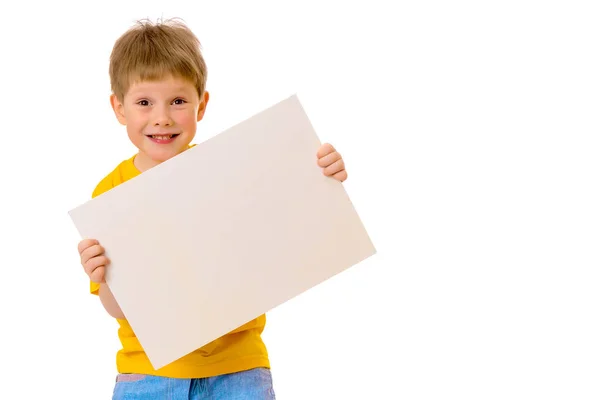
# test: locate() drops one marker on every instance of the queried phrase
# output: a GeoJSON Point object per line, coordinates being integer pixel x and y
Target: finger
{"type": "Point", "coordinates": [329, 159]}
{"type": "Point", "coordinates": [91, 252]}
{"type": "Point", "coordinates": [324, 150]}
{"type": "Point", "coordinates": [94, 263]}
{"type": "Point", "coordinates": [341, 176]}
{"type": "Point", "coordinates": [84, 244]}
{"type": "Point", "coordinates": [334, 168]}
{"type": "Point", "coordinates": [97, 275]}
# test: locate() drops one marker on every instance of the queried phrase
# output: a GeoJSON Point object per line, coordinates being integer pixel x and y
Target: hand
{"type": "Point", "coordinates": [93, 260]}
{"type": "Point", "coordinates": [332, 163]}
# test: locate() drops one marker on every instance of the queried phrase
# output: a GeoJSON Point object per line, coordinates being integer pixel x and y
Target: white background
{"type": "Point", "coordinates": [471, 135]}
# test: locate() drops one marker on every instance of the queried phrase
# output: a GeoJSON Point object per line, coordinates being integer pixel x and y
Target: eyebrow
{"type": "Point", "coordinates": [176, 91]}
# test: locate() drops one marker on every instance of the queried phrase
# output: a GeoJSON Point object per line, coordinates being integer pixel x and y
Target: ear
{"type": "Point", "coordinates": [117, 107]}
{"type": "Point", "coordinates": [203, 103]}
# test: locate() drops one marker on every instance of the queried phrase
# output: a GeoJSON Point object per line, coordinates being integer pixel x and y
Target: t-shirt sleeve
{"type": "Point", "coordinates": [104, 186]}
{"type": "Point", "coordinates": [94, 288]}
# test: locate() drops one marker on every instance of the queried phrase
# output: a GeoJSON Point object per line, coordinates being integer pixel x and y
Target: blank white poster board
{"type": "Point", "coordinates": [224, 232]}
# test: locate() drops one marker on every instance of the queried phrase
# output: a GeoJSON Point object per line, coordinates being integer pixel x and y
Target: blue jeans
{"type": "Point", "coordinates": [254, 384]}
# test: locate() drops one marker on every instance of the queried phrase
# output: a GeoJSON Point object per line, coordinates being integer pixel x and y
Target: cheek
{"type": "Point", "coordinates": [185, 118]}
{"type": "Point", "coordinates": [136, 120]}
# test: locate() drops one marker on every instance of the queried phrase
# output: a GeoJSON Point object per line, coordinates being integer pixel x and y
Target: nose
{"type": "Point", "coordinates": [161, 117]}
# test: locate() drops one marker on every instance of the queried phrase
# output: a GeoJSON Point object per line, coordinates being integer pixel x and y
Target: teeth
{"type": "Point", "coordinates": [162, 137]}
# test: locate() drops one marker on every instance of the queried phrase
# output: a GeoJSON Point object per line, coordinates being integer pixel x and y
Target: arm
{"type": "Point", "coordinates": [108, 301]}
{"type": "Point", "coordinates": [94, 263]}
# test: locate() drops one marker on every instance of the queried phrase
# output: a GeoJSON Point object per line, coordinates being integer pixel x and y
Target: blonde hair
{"type": "Point", "coordinates": [152, 51]}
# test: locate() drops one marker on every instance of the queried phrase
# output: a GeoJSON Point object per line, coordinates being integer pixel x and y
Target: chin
{"type": "Point", "coordinates": [159, 156]}
{"type": "Point", "coordinates": [164, 156]}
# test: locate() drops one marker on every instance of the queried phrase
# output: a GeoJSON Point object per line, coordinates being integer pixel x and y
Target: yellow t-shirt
{"type": "Point", "coordinates": [238, 350]}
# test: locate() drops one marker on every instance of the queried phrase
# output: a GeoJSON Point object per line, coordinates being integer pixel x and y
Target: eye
{"type": "Point", "coordinates": [143, 103]}
{"type": "Point", "coordinates": [179, 101]}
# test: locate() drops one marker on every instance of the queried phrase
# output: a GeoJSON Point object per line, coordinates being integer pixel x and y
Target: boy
{"type": "Point", "coordinates": [158, 78]}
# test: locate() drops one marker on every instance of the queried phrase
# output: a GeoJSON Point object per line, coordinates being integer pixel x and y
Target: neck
{"type": "Point", "coordinates": [143, 163]}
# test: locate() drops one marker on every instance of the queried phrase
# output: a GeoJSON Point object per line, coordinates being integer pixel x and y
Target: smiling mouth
{"type": "Point", "coordinates": [163, 137]}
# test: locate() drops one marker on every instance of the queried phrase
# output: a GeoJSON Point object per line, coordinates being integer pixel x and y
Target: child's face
{"type": "Point", "coordinates": [161, 118]}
